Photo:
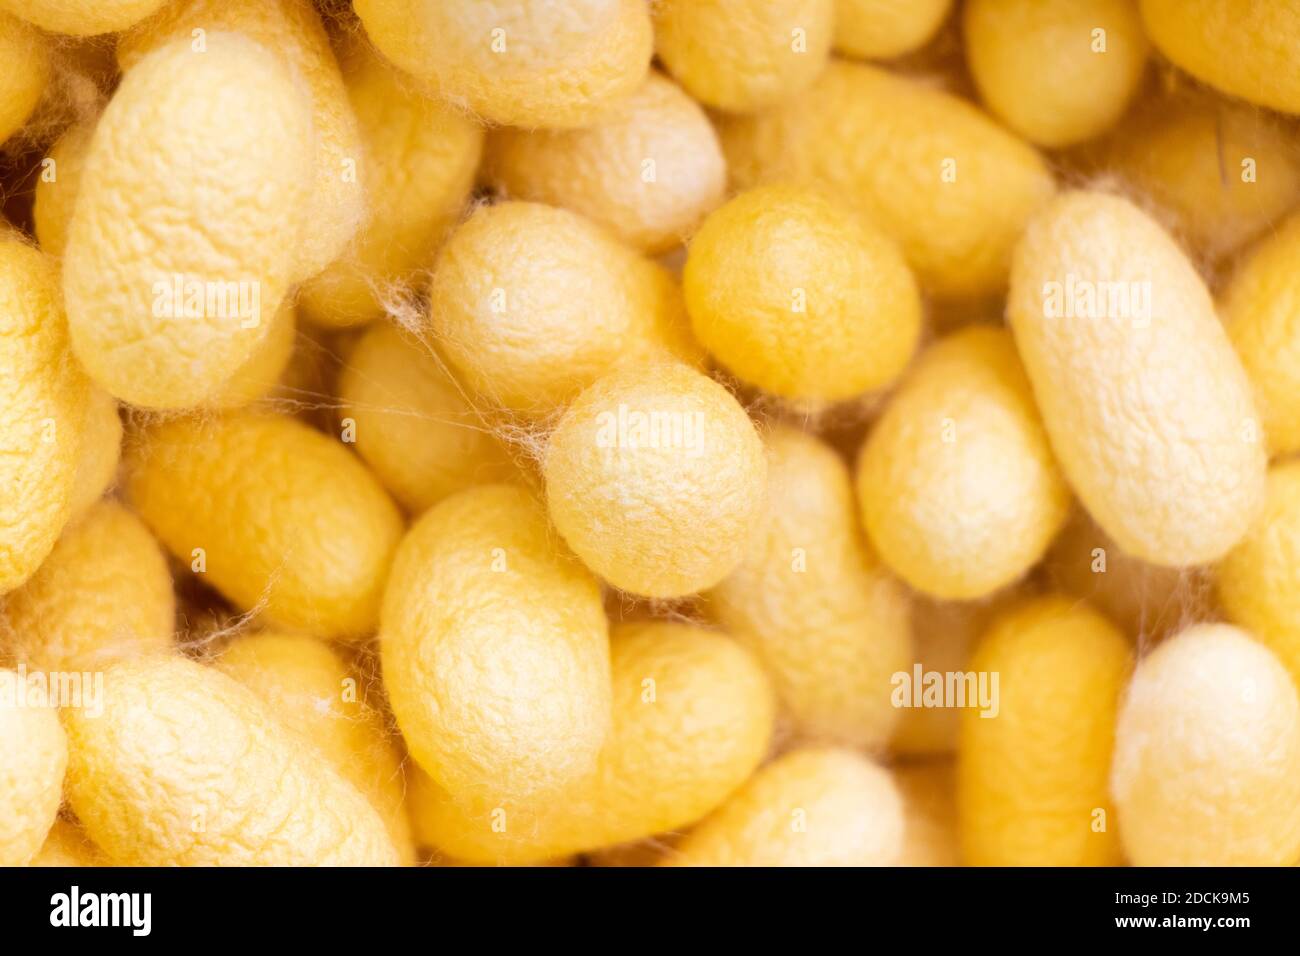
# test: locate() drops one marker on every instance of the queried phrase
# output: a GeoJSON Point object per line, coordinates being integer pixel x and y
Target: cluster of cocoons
{"type": "Point", "coordinates": [681, 433]}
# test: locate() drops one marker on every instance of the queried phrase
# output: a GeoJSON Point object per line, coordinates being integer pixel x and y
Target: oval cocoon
{"type": "Point", "coordinates": [33, 755]}
{"type": "Point", "coordinates": [884, 29]}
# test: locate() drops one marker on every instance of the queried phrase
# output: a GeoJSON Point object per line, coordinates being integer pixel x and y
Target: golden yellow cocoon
{"type": "Point", "coordinates": [67, 846]}
{"type": "Point", "coordinates": [521, 62]}
{"type": "Point", "coordinates": [1147, 406]}
{"type": "Point", "coordinates": [798, 295]}
{"type": "Point", "coordinates": [43, 404]}
{"type": "Point", "coordinates": [312, 691]}
{"type": "Point", "coordinates": [495, 649]}
{"type": "Point", "coordinates": [33, 755]}
{"type": "Point", "coordinates": [1033, 767]}
{"type": "Point", "coordinates": [101, 452]}
{"type": "Point", "coordinates": [261, 371]}
{"type": "Point", "coordinates": [655, 477]}
{"type": "Point", "coordinates": [276, 516]}
{"type": "Point", "coordinates": [292, 29]}
{"type": "Point", "coordinates": [104, 593]}
{"type": "Point", "coordinates": [950, 185]}
{"type": "Point", "coordinates": [414, 424]}
{"type": "Point", "coordinates": [58, 186]}
{"type": "Point", "coordinates": [26, 55]}
{"type": "Point", "coordinates": [164, 309]}
{"type": "Point", "coordinates": [812, 807]}
{"type": "Point", "coordinates": [417, 166]}
{"type": "Point", "coordinates": [930, 832]}
{"type": "Point", "coordinates": [186, 767]}
{"type": "Point", "coordinates": [884, 29]}
{"type": "Point", "coordinates": [692, 718]}
{"type": "Point", "coordinates": [957, 485]}
{"type": "Point", "coordinates": [648, 171]}
{"type": "Point", "coordinates": [1245, 48]}
{"type": "Point", "coordinates": [83, 17]}
{"type": "Point", "coordinates": [1207, 755]}
{"type": "Point", "coordinates": [814, 604]}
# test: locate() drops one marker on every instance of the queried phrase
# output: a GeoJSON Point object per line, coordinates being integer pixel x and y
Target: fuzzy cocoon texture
{"type": "Point", "coordinates": [33, 757]}
{"type": "Point", "coordinates": [655, 476]}
{"type": "Point", "coordinates": [67, 846]}
{"type": "Point", "coordinates": [232, 220]}
{"type": "Point", "coordinates": [101, 452]}
{"type": "Point", "coordinates": [26, 55]}
{"type": "Point", "coordinates": [814, 603]}
{"type": "Point", "coordinates": [279, 518]}
{"type": "Point", "coordinates": [1207, 755]}
{"type": "Point", "coordinates": [58, 186]}
{"type": "Point", "coordinates": [884, 29]}
{"type": "Point", "coordinates": [1147, 406]}
{"type": "Point", "coordinates": [83, 17]}
{"type": "Point", "coordinates": [956, 481]}
{"type": "Point", "coordinates": [186, 767]}
{"type": "Point", "coordinates": [1032, 777]}
{"type": "Point", "coordinates": [528, 63]}
{"type": "Point", "coordinates": [261, 371]}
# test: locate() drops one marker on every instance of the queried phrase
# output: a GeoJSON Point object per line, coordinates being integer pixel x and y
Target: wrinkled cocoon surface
{"type": "Point", "coordinates": [1032, 780]}
{"type": "Point", "coordinates": [33, 756]}
{"type": "Point", "coordinates": [185, 767]}
{"type": "Point", "coordinates": [957, 485]}
{"type": "Point", "coordinates": [800, 296]}
{"type": "Point", "coordinates": [522, 63]}
{"type": "Point", "coordinates": [289, 522]}
{"type": "Point", "coordinates": [495, 649]}
{"type": "Point", "coordinates": [951, 186]}
{"type": "Point", "coordinates": [1207, 755]}
{"type": "Point", "coordinates": [1147, 406]}
{"type": "Point", "coordinates": [83, 17]}
{"type": "Point", "coordinates": [234, 218]}
{"type": "Point", "coordinates": [26, 55]}
{"type": "Point", "coordinates": [692, 719]}
{"type": "Point", "coordinates": [883, 29]}
{"type": "Point", "coordinates": [810, 599]}
{"type": "Point", "coordinates": [655, 477]}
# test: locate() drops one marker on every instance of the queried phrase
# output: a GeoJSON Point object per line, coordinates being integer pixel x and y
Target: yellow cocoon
{"type": "Point", "coordinates": [810, 807]}
{"type": "Point", "coordinates": [67, 846]}
{"type": "Point", "coordinates": [43, 407]}
{"type": "Point", "coordinates": [261, 371]}
{"type": "Point", "coordinates": [1245, 48]}
{"type": "Point", "coordinates": [417, 166]}
{"type": "Point", "coordinates": [185, 767]}
{"type": "Point", "coordinates": [58, 186]}
{"type": "Point", "coordinates": [1207, 755]}
{"type": "Point", "coordinates": [83, 17]}
{"type": "Point", "coordinates": [814, 604]}
{"type": "Point", "coordinates": [648, 171]}
{"type": "Point", "coordinates": [279, 518]}
{"type": "Point", "coordinates": [163, 309]}
{"type": "Point", "coordinates": [884, 29]}
{"type": "Point", "coordinates": [26, 55]}
{"type": "Point", "coordinates": [104, 593]}
{"type": "Point", "coordinates": [796, 294]}
{"type": "Point", "coordinates": [520, 62]}
{"type": "Point", "coordinates": [930, 834]}
{"type": "Point", "coordinates": [957, 485]}
{"type": "Point", "coordinates": [495, 649]}
{"type": "Point", "coordinates": [1147, 406]}
{"type": "Point", "coordinates": [33, 756]}
{"type": "Point", "coordinates": [311, 690]}
{"type": "Point", "coordinates": [692, 719]}
{"type": "Point", "coordinates": [101, 452]}
{"type": "Point", "coordinates": [655, 477]}
{"type": "Point", "coordinates": [950, 185]}
{"type": "Point", "coordinates": [414, 425]}
{"type": "Point", "coordinates": [1032, 774]}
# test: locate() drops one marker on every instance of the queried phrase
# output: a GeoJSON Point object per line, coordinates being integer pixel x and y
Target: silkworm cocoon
{"type": "Point", "coordinates": [67, 846]}
{"type": "Point", "coordinates": [1033, 767]}
{"type": "Point", "coordinates": [104, 593]}
{"type": "Point", "coordinates": [953, 188]}
{"type": "Point", "coordinates": [186, 767]}
{"type": "Point", "coordinates": [1245, 49]}
{"type": "Point", "coordinates": [261, 371]}
{"type": "Point", "coordinates": [809, 807]}
{"type": "Point", "coordinates": [414, 425]}
{"type": "Point", "coordinates": [1147, 406]}
{"type": "Point", "coordinates": [655, 477]}
{"type": "Point", "coordinates": [162, 317]}
{"type": "Point", "coordinates": [44, 398]}
{"type": "Point", "coordinates": [744, 55]}
{"type": "Point", "coordinates": [531, 304]}
{"type": "Point", "coordinates": [495, 649]}
{"type": "Point", "coordinates": [311, 690]}
{"type": "Point", "coordinates": [1207, 755]}
{"type": "Point", "coordinates": [33, 757]}
{"type": "Point", "coordinates": [884, 29]}
{"type": "Point", "coordinates": [417, 166]}
{"type": "Point", "coordinates": [956, 482]}
{"type": "Point", "coordinates": [692, 719]}
{"type": "Point", "coordinates": [293, 30]}
{"type": "Point", "coordinates": [26, 55]}
{"type": "Point", "coordinates": [647, 172]}
{"type": "Point", "coordinates": [101, 452]}
{"type": "Point", "coordinates": [520, 63]}
{"type": "Point", "coordinates": [276, 516]}
{"type": "Point", "coordinates": [58, 185]}
{"type": "Point", "coordinates": [810, 599]}
{"type": "Point", "coordinates": [930, 834]}
{"type": "Point", "coordinates": [83, 17]}
{"type": "Point", "coordinates": [798, 295]}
